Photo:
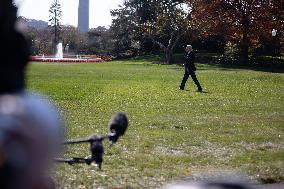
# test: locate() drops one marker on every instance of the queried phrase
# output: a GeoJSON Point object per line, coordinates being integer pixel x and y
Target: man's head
{"type": "Point", "coordinates": [30, 135]}
{"type": "Point", "coordinates": [14, 50]}
{"type": "Point", "coordinates": [188, 48]}
{"type": "Point", "coordinates": [29, 128]}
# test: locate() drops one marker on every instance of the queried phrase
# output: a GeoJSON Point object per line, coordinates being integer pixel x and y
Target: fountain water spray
{"type": "Point", "coordinates": [59, 57]}
{"type": "Point", "coordinates": [59, 52]}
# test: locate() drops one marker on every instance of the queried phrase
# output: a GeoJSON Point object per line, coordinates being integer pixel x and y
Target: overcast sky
{"type": "Point", "coordinates": [99, 10]}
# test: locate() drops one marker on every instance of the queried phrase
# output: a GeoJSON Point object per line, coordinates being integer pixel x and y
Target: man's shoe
{"type": "Point", "coordinates": [199, 90]}
{"type": "Point", "coordinates": [181, 89]}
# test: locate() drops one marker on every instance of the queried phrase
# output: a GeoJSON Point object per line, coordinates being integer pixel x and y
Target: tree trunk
{"type": "Point", "coordinates": [245, 40]}
{"type": "Point", "coordinates": [169, 56]}
{"type": "Point", "coordinates": [169, 49]}
{"type": "Point", "coordinates": [245, 49]}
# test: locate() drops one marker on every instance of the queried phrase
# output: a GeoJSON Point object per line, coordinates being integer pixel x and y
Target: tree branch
{"type": "Point", "coordinates": [162, 46]}
{"type": "Point", "coordinates": [177, 40]}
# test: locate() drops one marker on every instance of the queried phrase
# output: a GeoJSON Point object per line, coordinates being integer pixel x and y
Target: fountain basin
{"type": "Point", "coordinates": [71, 60]}
{"type": "Point", "coordinates": [59, 57]}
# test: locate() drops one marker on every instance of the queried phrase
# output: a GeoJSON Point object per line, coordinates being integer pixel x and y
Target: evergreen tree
{"type": "Point", "coordinates": [55, 14]}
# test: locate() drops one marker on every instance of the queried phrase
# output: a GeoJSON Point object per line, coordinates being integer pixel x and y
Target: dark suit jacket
{"type": "Point", "coordinates": [189, 65]}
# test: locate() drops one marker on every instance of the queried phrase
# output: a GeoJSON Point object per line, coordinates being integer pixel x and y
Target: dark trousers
{"type": "Point", "coordinates": [194, 78]}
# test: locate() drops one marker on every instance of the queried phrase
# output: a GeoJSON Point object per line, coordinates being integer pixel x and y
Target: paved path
{"type": "Point", "coordinates": [269, 186]}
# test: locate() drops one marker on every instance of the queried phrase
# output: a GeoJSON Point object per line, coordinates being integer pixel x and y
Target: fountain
{"type": "Point", "coordinates": [59, 57]}
{"type": "Point", "coordinates": [59, 52]}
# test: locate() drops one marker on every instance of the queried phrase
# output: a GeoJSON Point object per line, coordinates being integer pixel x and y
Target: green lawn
{"type": "Point", "coordinates": [237, 124]}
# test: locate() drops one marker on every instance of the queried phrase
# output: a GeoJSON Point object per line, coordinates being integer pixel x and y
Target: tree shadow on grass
{"type": "Point", "coordinates": [260, 68]}
{"type": "Point", "coordinates": [230, 67]}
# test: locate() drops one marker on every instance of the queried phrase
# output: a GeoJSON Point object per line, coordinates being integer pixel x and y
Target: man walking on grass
{"type": "Point", "coordinates": [190, 69]}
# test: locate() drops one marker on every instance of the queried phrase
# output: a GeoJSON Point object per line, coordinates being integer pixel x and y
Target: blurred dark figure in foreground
{"type": "Point", "coordinates": [29, 126]}
{"type": "Point", "coordinates": [14, 51]}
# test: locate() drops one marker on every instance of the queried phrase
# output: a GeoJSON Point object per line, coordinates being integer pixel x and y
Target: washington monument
{"type": "Point", "coordinates": [83, 16]}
